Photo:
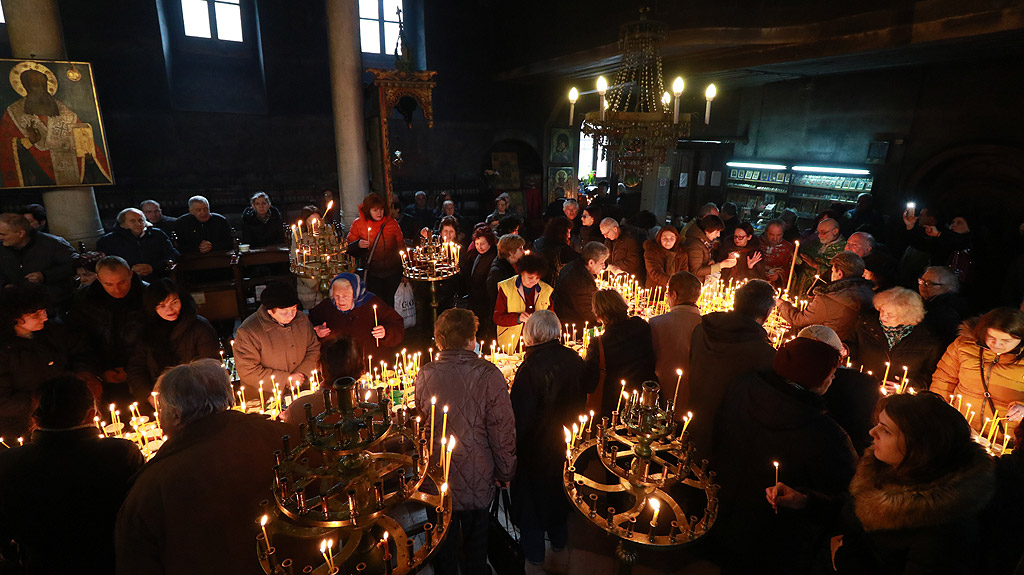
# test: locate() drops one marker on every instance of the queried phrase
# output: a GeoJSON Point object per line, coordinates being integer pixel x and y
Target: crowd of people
{"type": "Point", "coordinates": [872, 481]}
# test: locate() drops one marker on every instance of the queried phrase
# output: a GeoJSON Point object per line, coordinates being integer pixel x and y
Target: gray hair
{"type": "Point", "coordinates": [594, 251]}
{"type": "Point", "coordinates": [905, 304]}
{"type": "Point", "coordinates": [570, 202]}
{"type": "Point", "coordinates": [196, 389]}
{"type": "Point", "coordinates": [198, 200]}
{"type": "Point", "coordinates": [143, 203]}
{"type": "Point", "coordinates": [259, 195]}
{"type": "Point", "coordinates": [543, 326]}
{"type": "Point", "coordinates": [447, 203]}
{"type": "Point", "coordinates": [112, 263]}
{"type": "Point", "coordinates": [608, 223]}
{"type": "Point", "coordinates": [870, 239]}
{"type": "Point", "coordinates": [121, 215]}
{"type": "Point", "coordinates": [946, 277]}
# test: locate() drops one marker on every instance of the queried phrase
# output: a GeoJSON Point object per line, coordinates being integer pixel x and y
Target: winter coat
{"type": "Point", "coordinates": [625, 252]}
{"type": "Point", "coordinates": [698, 253]}
{"type": "Point", "coordinates": [45, 253]}
{"type": "Point", "coordinates": [191, 232]}
{"type": "Point", "coordinates": [557, 254]}
{"type": "Point", "coordinates": [574, 295]}
{"type": "Point", "coordinates": [628, 355]}
{"type": "Point", "coordinates": [740, 272]}
{"type": "Point", "coordinates": [671, 333]}
{"type": "Point", "coordinates": [943, 315]}
{"type": "Point", "coordinates": [112, 326]}
{"type": "Point", "coordinates": [511, 304]}
{"type": "Point", "coordinates": [166, 224]}
{"type": "Point", "coordinates": [192, 507]}
{"type": "Point", "coordinates": [959, 372]}
{"type": "Point", "coordinates": [480, 417]}
{"type": "Point", "coordinates": [500, 271]}
{"type": "Point", "coordinates": [837, 305]}
{"type": "Point", "coordinates": [851, 402]}
{"type": "Point", "coordinates": [386, 261]}
{"type": "Point", "coordinates": [763, 419]}
{"type": "Point", "coordinates": [662, 264]}
{"type": "Point", "coordinates": [153, 248]}
{"type": "Point", "coordinates": [929, 527]}
{"type": "Point", "coordinates": [919, 351]}
{"type": "Point", "coordinates": [546, 395]}
{"type": "Point", "coordinates": [476, 279]}
{"type": "Point", "coordinates": [71, 474]}
{"type": "Point", "coordinates": [259, 234]}
{"type": "Point", "coordinates": [1003, 538]}
{"type": "Point", "coordinates": [358, 323]}
{"type": "Point", "coordinates": [264, 347]}
{"type": "Point", "coordinates": [724, 346]}
{"type": "Point", "coordinates": [777, 259]}
{"type": "Point", "coordinates": [163, 345]}
{"type": "Point", "coordinates": [26, 363]}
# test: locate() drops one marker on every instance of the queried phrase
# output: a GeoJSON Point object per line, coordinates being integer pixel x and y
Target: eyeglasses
{"type": "Point", "coordinates": [740, 237]}
{"type": "Point", "coordinates": [927, 283]}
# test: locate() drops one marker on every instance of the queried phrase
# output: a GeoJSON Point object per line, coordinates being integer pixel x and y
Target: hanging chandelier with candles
{"type": "Point", "coordinates": [634, 120]}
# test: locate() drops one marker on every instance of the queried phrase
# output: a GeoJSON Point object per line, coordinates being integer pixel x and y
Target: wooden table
{"type": "Point", "coordinates": [227, 299]}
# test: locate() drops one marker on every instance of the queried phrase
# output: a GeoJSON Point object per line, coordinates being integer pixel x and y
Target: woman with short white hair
{"type": "Point", "coordinates": [898, 336]}
{"type": "Point", "coordinates": [547, 394]}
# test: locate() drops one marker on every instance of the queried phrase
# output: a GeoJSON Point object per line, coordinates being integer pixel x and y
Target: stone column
{"type": "Point", "coordinates": [346, 60]}
{"type": "Point", "coordinates": [35, 31]}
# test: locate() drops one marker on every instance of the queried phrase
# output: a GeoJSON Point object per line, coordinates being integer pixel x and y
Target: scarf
{"type": "Point", "coordinates": [359, 293]}
{"type": "Point", "coordinates": [893, 335]}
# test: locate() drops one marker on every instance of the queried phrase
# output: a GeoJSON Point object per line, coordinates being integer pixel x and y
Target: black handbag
{"type": "Point", "coordinates": [503, 550]}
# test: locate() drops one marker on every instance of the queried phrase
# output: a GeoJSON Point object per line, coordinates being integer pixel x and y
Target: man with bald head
{"type": "Point", "coordinates": [147, 249]}
{"type": "Point", "coordinates": [626, 254]}
{"type": "Point", "coordinates": [817, 254]}
{"type": "Point", "coordinates": [879, 267]}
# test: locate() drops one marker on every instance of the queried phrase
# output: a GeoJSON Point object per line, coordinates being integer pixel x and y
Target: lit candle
{"type": "Point", "coordinates": [656, 506]}
{"type": "Point", "coordinates": [263, 526]}
{"type": "Point", "coordinates": [677, 91]}
{"type": "Point", "coordinates": [448, 465]}
{"type": "Point", "coordinates": [792, 266]}
{"type": "Point", "coordinates": [709, 95]}
{"type": "Point", "coordinates": [903, 384]}
{"type": "Point", "coordinates": [679, 380]}
{"type": "Point", "coordinates": [885, 377]}
{"type": "Point", "coordinates": [575, 432]}
{"type": "Point", "coordinates": [444, 423]}
{"type": "Point", "coordinates": [619, 404]}
{"type": "Point", "coordinates": [602, 87]}
{"type": "Point", "coordinates": [376, 339]}
{"type": "Point", "coordinates": [574, 94]}
{"type": "Point", "coordinates": [776, 464]}
{"type": "Point", "coordinates": [261, 393]}
{"type": "Point", "coordinates": [433, 406]}
{"type": "Point", "coordinates": [590, 427]}
{"type": "Point", "coordinates": [686, 421]}
{"type": "Point", "coordinates": [959, 399]}
{"type": "Point", "coordinates": [444, 461]}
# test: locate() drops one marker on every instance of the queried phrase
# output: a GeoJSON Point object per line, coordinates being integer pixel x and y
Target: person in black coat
{"type": "Point", "coordinates": [147, 249]}
{"type": "Point", "coordinates": [31, 257]}
{"type": "Point", "coordinates": [485, 246]}
{"type": "Point", "coordinates": [555, 246]}
{"type": "Point", "coordinates": [944, 308]}
{"type": "Point", "coordinates": [778, 416]}
{"type": "Point", "coordinates": [547, 394]}
{"type": "Point", "coordinates": [262, 224]}
{"type": "Point", "coordinates": [724, 346]}
{"type": "Point", "coordinates": [172, 334]}
{"type": "Point", "coordinates": [574, 292]}
{"type": "Point", "coordinates": [60, 493]}
{"type": "Point", "coordinates": [155, 215]}
{"type": "Point", "coordinates": [109, 312]}
{"type": "Point", "coordinates": [200, 231]}
{"type": "Point", "coordinates": [510, 249]}
{"type": "Point", "coordinates": [625, 351]}
{"type": "Point", "coordinates": [33, 350]}
{"type": "Point", "coordinates": [1003, 549]}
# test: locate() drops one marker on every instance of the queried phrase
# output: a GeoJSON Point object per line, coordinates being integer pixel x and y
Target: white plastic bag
{"type": "Point", "coordinates": [405, 304]}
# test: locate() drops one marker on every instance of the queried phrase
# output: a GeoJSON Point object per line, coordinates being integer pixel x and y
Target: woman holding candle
{"type": "Point", "coordinates": [624, 351]}
{"type": "Point", "coordinates": [349, 313]}
{"type": "Point", "coordinates": [663, 257]}
{"type": "Point", "coordinates": [173, 334]}
{"type": "Point", "coordinates": [915, 499]}
{"type": "Point", "coordinates": [377, 238]}
{"type": "Point", "coordinates": [988, 356]}
{"type": "Point", "coordinates": [547, 394]}
{"type": "Point", "coordinates": [520, 296]}
{"type": "Point", "coordinates": [475, 266]}
{"type": "Point", "coordinates": [750, 261]}
{"type": "Point", "coordinates": [896, 335]}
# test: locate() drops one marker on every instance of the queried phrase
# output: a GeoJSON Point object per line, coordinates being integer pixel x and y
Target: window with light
{"type": "Point", "coordinates": [590, 159]}
{"type": "Point", "coordinates": [214, 19]}
{"type": "Point", "coordinates": [378, 26]}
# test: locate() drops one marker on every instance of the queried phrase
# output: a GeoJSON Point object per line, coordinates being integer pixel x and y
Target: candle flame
{"type": "Point", "coordinates": [323, 545]}
{"type": "Point", "coordinates": [451, 443]}
{"type": "Point", "coordinates": [433, 400]}
{"type": "Point", "coordinates": [444, 488]}
{"type": "Point", "coordinates": [263, 521]}
{"type": "Point", "coordinates": [568, 437]}
{"type": "Point", "coordinates": [776, 464]}
{"type": "Point", "coordinates": [625, 394]}
{"type": "Point", "coordinates": [445, 409]}
{"type": "Point", "coordinates": [330, 205]}
{"type": "Point", "coordinates": [655, 504]}
{"type": "Point", "coordinates": [385, 536]}
{"type": "Point", "coordinates": [679, 372]}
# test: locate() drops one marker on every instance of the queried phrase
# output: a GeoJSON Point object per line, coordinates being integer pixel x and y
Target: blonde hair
{"type": "Point", "coordinates": [908, 305]}
{"type": "Point", "coordinates": [508, 244]}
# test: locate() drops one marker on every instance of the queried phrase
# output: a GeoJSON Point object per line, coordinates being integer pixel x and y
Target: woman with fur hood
{"type": "Point", "coordinates": [663, 257]}
{"type": "Point", "coordinates": [915, 499]}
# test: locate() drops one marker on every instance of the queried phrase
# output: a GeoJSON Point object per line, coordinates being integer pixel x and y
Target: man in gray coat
{"type": "Point", "coordinates": [481, 419]}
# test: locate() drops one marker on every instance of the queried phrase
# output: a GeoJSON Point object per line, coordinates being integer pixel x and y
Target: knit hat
{"type": "Point", "coordinates": [824, 334]}
{"type": "Point", "coordinates": [806, 362]}
{"type": "Point", "coordinates": [279, 295]}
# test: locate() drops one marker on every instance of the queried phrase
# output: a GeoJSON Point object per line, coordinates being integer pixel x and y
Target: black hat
{"type": "Point", "coordinates": [279, 295]}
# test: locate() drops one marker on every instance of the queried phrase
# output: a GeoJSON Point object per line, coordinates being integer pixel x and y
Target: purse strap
{"type": "Point", "coordinates": [984, 385]}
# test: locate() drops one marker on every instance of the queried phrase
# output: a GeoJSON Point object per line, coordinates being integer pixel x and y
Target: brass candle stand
{"type": "Point", "coordinates": [320, 255]}
{"type": "Point", "coordinates": [649, 463]}
{"type": "Point", "coordinates": [358, 476]}
{"type": "Point", "coordinates": [434, 260]}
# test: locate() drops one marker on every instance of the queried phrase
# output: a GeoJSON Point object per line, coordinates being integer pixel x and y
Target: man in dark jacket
{"type": "Point", "coordinates": [724, 346]}
{"type": "Point", "coordinates": [156, 216]}
{"type": "Point", "coordinates": [625, 255]}
{"type": "Point", "coordinates": [147, 249]}
{"type": "Point", "coordinates": [185, 515]}
{"type": "Point", "coordinates": [944, 308]}
{"type": "Point", "coordinates": [201, 231]}
{"type": "Point", "coordinates": [66, 472]}
{"type": "Point", "coordinates": [575, 289]}
{"type": "Point", "coordinates": [698, 246]}
{"type": "Point", "coordinates": [109, 311]}
{"type": "Point", "coordinates": [481, 419]}
{"type": "Point", "coordinates": [778, 416]}
{"type": "Point", "coordinates": [262, 225]}
{"type": "Point", "coordinates": [837, 305]}
{"type": "Point", "coordinates": [31, 257]}
{"type": "Point", "coordinates": [879, 267]}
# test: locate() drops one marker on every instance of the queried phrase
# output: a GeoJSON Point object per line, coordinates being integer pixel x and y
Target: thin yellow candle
{"type": "Point", "coordinates": [776, 464]}
{"type": "Point", "coordinates": [959, 399]}
{"type": "Point", "coordinates": [656, 506]}
{"type": "Point", "coordinates": [885, 377]}
{"type": "Point", "coordinates": [263, 526]}
{"type": "Point", "coordinates": [970, 420]}
{"type": "Point", "coordinates": [444, 422]}
{"type": "Point", "coordinates": [618, 405]}
{"type": "Point", "coordinates": [448, 465]}
{"type": "Point", "coordinates": [375, 338]}
{"type": "Point", "coordinates": [575, 432]}
{"type": "Point", "coordinates": [792, 266]}
{"type": "Point", "coordinates": [444, 461]}
{"type": "Point", "coordinates": [679, 379]}
{"type": "Point", "coordinates": [433, 406]}
{"type": "Point", "coordinates": [992, 430]}
{"type": "Point", "coordinates": [903, 384]}
{"type": "Point", "coordinates": [261, 393]}
{"type": "Point", "coordinates": [590, 426]}
{"type": "Point", "coordinates": [968, 410]}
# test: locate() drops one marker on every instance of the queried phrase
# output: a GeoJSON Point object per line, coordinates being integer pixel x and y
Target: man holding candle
{"type": "Point", "coordinates": [816, 255]}
{"type": "Point", "coordinates": [625, 254]}
{"type": "Point", "coordinates": [481, 418]}
{"type": "Point", "coordinates": [837, 304]}
{"type": "Point", "coordinates": [698, 248]}
{"type": "Point", "coordinates": [193, 508]}
{"type": "Point", "coordinates": [574, 292]}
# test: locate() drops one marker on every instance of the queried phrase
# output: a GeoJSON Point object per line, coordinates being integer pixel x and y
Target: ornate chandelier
{"type": "Point", "coordinates": [634, 121]}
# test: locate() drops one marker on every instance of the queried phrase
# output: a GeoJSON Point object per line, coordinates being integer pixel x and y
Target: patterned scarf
{"type": "Point", "coordinates": [894, 334]}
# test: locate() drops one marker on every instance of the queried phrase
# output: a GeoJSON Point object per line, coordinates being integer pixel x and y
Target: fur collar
{"type": "Point", "coordinates": [959, 494]}
{"type": "Point", "coordinates": [843, 284]}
